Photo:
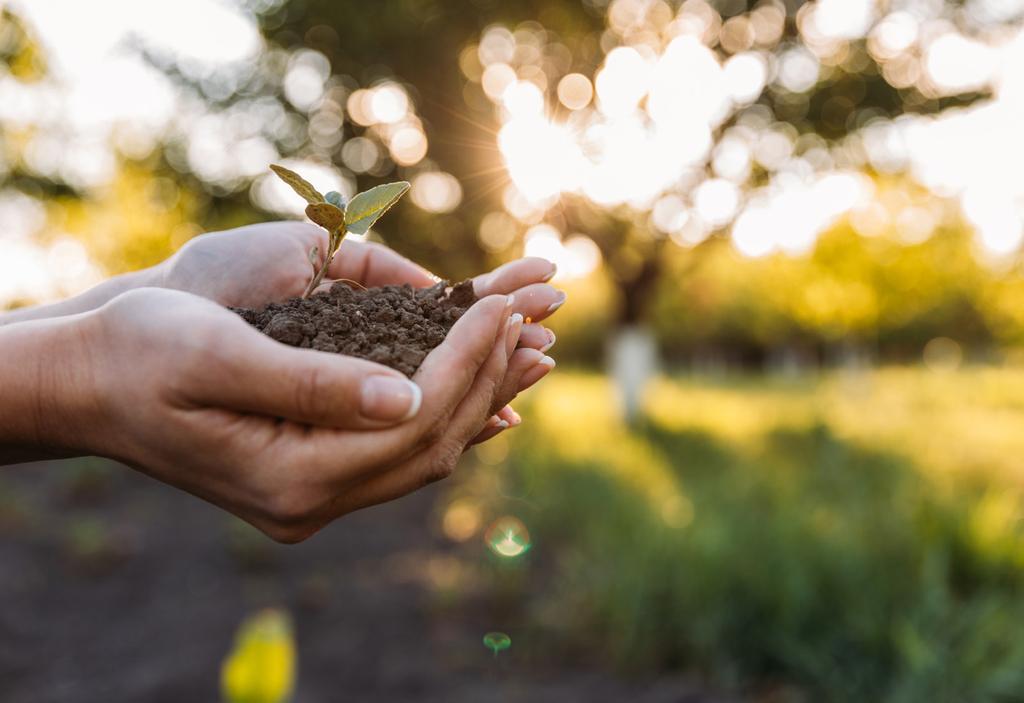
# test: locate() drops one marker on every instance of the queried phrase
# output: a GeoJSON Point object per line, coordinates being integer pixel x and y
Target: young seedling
{"type": "Point", "coordinates": [331, 212]}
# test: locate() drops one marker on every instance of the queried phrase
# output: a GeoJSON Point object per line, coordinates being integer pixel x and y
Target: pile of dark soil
{"type": "Point", "coordinates": [393, 325]}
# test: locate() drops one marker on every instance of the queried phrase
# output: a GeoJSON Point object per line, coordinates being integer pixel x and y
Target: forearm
{"type": "Point", "coordinates": [46, 397]}
{"type": "Point", "coordinates": [89, 300]}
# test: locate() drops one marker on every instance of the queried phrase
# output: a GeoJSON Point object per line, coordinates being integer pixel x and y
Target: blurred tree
{"type": "Point", "coordinates": [787, 71]}
{"type": "Point", "coordinates": [21, 58]}
{"type": "Point", "coordinates": [494, 109]}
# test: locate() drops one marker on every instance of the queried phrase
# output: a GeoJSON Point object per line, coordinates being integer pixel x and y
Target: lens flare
{"type": "Point", "coordinates": [508, 537]}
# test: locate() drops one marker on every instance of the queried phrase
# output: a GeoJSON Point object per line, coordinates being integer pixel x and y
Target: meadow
{"type": "Point", "coordinates": [844, 536]}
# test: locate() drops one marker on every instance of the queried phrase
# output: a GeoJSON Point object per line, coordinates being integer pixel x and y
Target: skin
{"type": "Point", "coordinates": [151, 370]}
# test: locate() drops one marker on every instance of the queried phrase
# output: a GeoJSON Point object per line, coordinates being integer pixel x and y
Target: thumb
{"type": "Point", "coordinates": [256, 374]}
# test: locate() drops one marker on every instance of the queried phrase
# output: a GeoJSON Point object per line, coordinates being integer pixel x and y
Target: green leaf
{"type": "Point", "coordinates": [367, 207]}
{"type": "Point", "coordinates": [326, 215]}
{"type": "Point", "coordinates": [299, 184]}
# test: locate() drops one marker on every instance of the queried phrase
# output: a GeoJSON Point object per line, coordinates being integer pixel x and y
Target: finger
{"type": "Point", "coordinates": [509, 415]}
{"type": "Point", "coordinates": [494, 427]}
{"type": "Point", "coordinates": [517, 380]}
{"type": "Point", "coordinates": [538, 301]}
{"type": "Point", "coordinates": [536, 337]}
{"type": "Point", "coordinates": [535, 373]}
{"type": "Point", "coordinates": [258, 375]}
{"type": "Point", "coordinates": [450, 371]}
{"type": "Point", "coordinates": [439, 460]}
{"type": "Point", "coordinates": [522, 361]}
{"type": "Point", "coordinates": [514, 275]}
{"type": "Point", "coordinates": [504, 419]}
{"type": "Point", "coordinates": [372, 264]}
{"type": "Point", "coordinates": [444, 378]}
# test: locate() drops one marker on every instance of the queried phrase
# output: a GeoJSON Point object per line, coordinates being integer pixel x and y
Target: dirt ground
{"type": "Point", "coordinates": [115, 588]}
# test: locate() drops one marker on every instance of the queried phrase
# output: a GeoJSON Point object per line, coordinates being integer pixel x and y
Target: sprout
{"type": "Point", "coordinates": [338, 217]}
{"type": "Point", "coordinates": [497, 642]}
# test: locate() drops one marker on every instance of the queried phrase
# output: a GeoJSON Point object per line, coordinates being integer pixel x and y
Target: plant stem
{"type": "Point", "coordinates": [317, 278]}
{"type": "Point", "coordinates": [334, 241]}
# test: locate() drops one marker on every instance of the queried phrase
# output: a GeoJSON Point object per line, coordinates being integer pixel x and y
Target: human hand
{"type": "Point", "coordinates": [252, 266]}
{"type": "Point", "coordinates": [287, 439]}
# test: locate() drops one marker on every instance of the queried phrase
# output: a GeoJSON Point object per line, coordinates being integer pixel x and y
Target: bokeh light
{"type": "Point", "coordinates": [388, 103]}
{"type": "Point", "coordinates": [436, 191]}
{"type": "Point", "coordinates": [462, 520]}
{"type": "Point", "coordinates": [576, 257]}
{"type": "Point", "coordinates": [408, 146]}
{"type": "Point", "coordinates": [575, 91]}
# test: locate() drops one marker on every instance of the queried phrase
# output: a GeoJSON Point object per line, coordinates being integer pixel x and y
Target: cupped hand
{"type": "Point", "coordinates": [254, 265]}
{"type": "Point", "coordinates": [258, 264]}
{"type": "Point", "coordinates": [287, 439]}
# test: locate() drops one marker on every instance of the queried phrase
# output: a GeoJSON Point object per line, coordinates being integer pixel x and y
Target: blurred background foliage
{"type": "Point", "coordinates": [808, 213]}
{"type": "Point", "coordinates": [788, 110]}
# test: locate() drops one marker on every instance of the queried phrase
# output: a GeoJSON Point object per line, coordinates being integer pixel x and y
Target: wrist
{"type": "Point", "coordinates": [91, 299]}
{"type": "Point", "coordinates": [50, 405]}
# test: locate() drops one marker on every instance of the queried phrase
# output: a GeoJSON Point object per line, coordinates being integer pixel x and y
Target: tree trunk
{"type": "Point", "coordinates": [632, 362]}
{"type": "Point", "coordinates": [632, 352]}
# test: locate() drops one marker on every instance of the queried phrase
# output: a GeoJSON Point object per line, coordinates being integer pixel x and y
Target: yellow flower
{"type": "Point", "coordinates": [261, 668]}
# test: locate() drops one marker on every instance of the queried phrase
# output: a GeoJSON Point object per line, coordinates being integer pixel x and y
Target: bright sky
{"type": "Point", "coordinates": [87, 45]}
{"type": "Point", "coordinates": [99, 84]}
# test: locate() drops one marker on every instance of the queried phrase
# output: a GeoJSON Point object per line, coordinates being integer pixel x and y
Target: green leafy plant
{"type": "Point", "coordinates": [331, 212]}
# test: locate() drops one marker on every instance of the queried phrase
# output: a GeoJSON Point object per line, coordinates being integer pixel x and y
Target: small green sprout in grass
{"type": "Point", "coordinates": [497, 642]}
{"type": "Point", "coordinates": [337, 217]}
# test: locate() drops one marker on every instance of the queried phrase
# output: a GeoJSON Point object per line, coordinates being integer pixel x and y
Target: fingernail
{"type": "Point", "coordinates": [389, 399]}
{"type": "Point", "coordinates": [554, 270]}
{"type": "Point", "coordinates": [515, 327]}
{"type": "Point", "coordinates": [509, 301]}
{"type": "Point", "coordinates": [546, 361]}
{"type": "Point", "coordinates": [552, 337]}
{"type": "Point", "coordinates": [558, 303]}
{"type": "Point", "coordinates": [517, 419]}
{"type": "Point", "coordinates": [502, 425]}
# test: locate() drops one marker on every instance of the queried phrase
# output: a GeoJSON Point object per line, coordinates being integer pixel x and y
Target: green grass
{"type": "Point", "coordinates": [850, 538]}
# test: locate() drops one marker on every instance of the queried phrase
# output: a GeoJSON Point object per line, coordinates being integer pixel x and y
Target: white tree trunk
{"type": "Point", "coordinates": [632, 361]}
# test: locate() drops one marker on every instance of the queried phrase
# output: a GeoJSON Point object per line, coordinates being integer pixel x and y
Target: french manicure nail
{"type": "Point", "coordinates": [389, 399]}
{"type": "Point", "coordinates": [551, 342]}
{"type": "Point", "coordinates": [502, 425]}
{"type": "Point", "coordinates": [558, 303]}
{"type": "Point", "coordinates": [551, 274]}
{"type": "Point", "coordinates": [509, 302]}
{"type": "Point", "coordinates": [546, 361]}
{"type": "Point", "coordinates": [515, 328]}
